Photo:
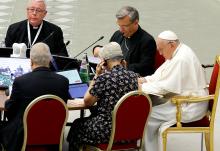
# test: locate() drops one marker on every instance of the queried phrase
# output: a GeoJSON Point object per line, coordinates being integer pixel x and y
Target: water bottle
{"type": "Point", "coordinates": [84, 72]}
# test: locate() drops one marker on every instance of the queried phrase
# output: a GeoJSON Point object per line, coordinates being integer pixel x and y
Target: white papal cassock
{"type": "Point", "coordinates": [182, 75]}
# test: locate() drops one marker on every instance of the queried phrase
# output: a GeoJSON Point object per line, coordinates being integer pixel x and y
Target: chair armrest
{"type": "Point", "coordinates": [191, 99]}
{"type": "Point", "coordinates": [178, 100]}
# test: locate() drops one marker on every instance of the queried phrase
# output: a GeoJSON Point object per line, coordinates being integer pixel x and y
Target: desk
{"type": "Point", "coordinates": [71, 104]}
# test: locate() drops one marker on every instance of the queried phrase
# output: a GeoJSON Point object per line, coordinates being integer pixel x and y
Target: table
{"type": "Point", "coordinates": [3, 98]}
{"type": "Point", "coordinates": [76, 104]}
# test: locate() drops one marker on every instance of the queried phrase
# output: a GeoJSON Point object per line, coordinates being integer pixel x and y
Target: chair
{"type": "Point", "coordinates": [206, 124]}
{"type": "Point", "coordinates": [44, 121]}
{"type": "Point", "coordinates": [129, 117]}
{"type": "Point", "coordinates": [159, 60]}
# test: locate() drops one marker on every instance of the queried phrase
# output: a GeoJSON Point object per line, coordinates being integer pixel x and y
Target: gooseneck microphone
{"type": "Point", "coordinates": [50, 35]}
{"type": "Point", "coordinates": [89, 46]}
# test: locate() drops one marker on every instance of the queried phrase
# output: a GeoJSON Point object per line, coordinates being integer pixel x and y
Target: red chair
{"type": "Point", "coordinates": [206, 124]}
{"type": "Point", "coordinates": [44, 122]}
{"type": "Point", "coordinates": [159, 60]}
{"type": "Point", "coordinates": [129, 117]}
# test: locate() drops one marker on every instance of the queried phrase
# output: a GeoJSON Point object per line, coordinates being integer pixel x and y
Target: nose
{"type": "Point", "coordinates": [121, 29]}
{"type": "Point", "coordinates": [35, 11]}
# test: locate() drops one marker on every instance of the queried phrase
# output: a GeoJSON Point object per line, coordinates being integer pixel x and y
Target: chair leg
{"type": "Point", "coordinates": [211, 143]}
{"type": "Point", "coordinates": [164, 135]}
{"type": "Point", "coordinates": [207, 141]}
{"type": "Point", "coordinates": [202, 142]}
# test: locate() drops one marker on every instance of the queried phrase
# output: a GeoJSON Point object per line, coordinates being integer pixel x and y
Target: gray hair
{"type": "Point", "coordinates": [43, 1]}
{"type": "Point", "coordinates": [128, 11]}
{"type": "Point", "coordinates": [40, 54]}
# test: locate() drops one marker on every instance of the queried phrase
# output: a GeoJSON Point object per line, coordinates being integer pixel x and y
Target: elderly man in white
{"type": "Point", "coordinates": [180, 74]}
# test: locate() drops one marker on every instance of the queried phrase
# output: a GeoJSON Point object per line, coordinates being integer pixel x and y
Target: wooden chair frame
{"type": "Point", "coordinates": [42, 98]}
{"type": "Point", "coordinates": [207, 130]}
{"type": "Point", "coordinates": [114, 113]}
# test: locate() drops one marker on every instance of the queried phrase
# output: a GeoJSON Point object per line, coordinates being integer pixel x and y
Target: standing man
{"type": "Point", "coordinates": [26, 88]}
{"type": "Point", "coordinates": [138, 46]}
{"type": "Point", "coordinates": [180, 74]}
{"type": "Point", "coordinates": [34, 29]}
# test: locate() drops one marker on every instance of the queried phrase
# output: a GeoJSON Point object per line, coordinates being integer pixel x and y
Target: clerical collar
{"type": "Point", "coordinates": [29, 34]}
{"type": "Point", "coordinates": [35, 27]}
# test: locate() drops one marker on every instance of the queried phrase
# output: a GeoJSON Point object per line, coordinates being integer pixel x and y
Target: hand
{"type": "Point", "coordinates": [141, 80]}
{"type": "Point", "coordinates": [100, 68]}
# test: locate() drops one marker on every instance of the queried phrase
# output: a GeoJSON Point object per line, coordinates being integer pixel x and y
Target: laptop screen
{"type": "Point", "coordinates": [71, 75]}
{"type": "Point", "coordinates": [78, 90]}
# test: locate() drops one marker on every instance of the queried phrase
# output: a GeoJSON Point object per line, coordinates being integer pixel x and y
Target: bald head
{"type": "Point", "coordinates": [40, 55]}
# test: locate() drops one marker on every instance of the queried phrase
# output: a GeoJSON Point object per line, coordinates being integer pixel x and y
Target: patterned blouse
{"type": "Point", "coordinates": [109, 87]}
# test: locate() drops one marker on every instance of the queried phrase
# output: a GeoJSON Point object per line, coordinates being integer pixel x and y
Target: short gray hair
{"type": "Point", "coordinates": [40, 54]}
{"type": "Point", "coordinates": [128, 11]}
{"type": "Point", "coordinates": [43, 1]}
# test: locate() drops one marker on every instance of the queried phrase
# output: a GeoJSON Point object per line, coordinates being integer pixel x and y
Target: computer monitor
{"type": "Point", "coordinates": [10, 68]}
{"type": "Point", "coordinates": [66, 63]}
{"type": "Point", "coordinates": [72, 75]}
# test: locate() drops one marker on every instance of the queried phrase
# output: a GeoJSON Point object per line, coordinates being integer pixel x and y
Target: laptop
{"type": "Point", "coordinates": [77, 89]}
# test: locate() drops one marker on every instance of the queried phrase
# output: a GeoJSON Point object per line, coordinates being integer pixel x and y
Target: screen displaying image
{"type": "Point", "coordinates": [71, 75]}
{"type": "Point", "coordinates": [10, 68]}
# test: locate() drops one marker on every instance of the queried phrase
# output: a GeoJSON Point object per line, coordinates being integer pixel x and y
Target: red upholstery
{"type": "Point", "coordinates": [130, 119]}
{"type": "Point", "coordinates": [159, 60]}
{"type": "Point", "coordinates": [214, 77]}
{"type": "Point", "coordinates": [45, 121]}
{"type": "Point", "coordinates": [204, 122]}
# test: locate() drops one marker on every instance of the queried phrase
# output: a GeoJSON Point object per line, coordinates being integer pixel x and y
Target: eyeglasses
{"type": "Point", "coordinates": [37, 10]}
{"type": "Point", "coordinates": [126, 26]}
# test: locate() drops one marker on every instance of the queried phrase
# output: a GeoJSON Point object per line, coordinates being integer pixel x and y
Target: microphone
{"type": "Point", "coordinates": [50, 35]}
{"type": "Point", "coordinates": [89, 46]}
{"type": "Point", "coordinates": [65, 45]}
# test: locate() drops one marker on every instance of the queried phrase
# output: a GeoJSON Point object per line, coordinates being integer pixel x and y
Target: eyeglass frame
{"type": "Point", "coordinates": [37, 10]}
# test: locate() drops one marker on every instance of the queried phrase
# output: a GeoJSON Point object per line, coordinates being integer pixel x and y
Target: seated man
{"type": "Point", "coordinates": [110, 83]}
{"type": "Point", "coordinates": [26, 88]}
{"type": "Point", "coordinates": [35, 29]}
{"type": "Point", "coordinates": [180, 74]}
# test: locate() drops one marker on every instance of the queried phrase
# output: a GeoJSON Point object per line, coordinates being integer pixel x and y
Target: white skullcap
{"type": "Point", "coordinates": [168, 35]}
{"type": "Point", "coordinates": [110, 51]}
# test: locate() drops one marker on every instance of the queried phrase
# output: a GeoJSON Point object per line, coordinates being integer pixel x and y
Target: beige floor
{"type": "Point", "coordinates": [176, 142]}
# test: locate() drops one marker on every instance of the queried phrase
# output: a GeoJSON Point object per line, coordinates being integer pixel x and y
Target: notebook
{"type": "Point", "coordinates": [77, 89]}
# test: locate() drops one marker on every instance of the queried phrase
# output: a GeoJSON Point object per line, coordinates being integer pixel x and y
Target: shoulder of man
{"type": "Point", "coordinates": [51, 25]}
{"type": "Point", "coordinates": [116, 36]}
{"type": "Point", "coordinates": [20, 24]}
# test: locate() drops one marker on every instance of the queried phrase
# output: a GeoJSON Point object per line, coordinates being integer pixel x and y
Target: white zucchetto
{"type": "Point", "coordinates": [168, 35]}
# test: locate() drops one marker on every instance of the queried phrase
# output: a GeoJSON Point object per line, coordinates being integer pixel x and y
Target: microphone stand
{"type": "Point", "coordinates": [89, 46]}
